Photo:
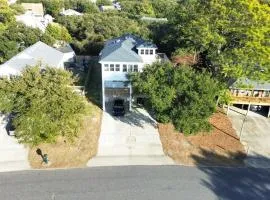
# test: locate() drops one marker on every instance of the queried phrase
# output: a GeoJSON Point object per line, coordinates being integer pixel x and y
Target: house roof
{"type": "Point", "coordinates": [147, 45]}
{"type": "Point", "coordinates": [122, 49]}
{"type": "Point", "coordinates": [38, 52]}
{"type": "Point", "coordinates": [34, 8]}
{"type": "Point", "coordinates": [65, 49]}
{"type": "Point", "coordinates": [70, 12]}
{"type": "Point", "coordinates": [244, 83]}
{"type": "Point", "coordinates": [154, 19]}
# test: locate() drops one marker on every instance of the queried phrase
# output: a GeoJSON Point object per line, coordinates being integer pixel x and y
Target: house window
{"type": "Point", "coordinates": [111, 67]}
{"type": "Point", "coordinates": [142, 51]}
{"type": "Point", "coordinates": [130, 68]}
{"type": "Point", "coordinates": [151, 51]}
{"type": "Point", "coordinates": [135, 68]}
{"type": "Point", "coordinates": [124, 68]}
{"type": "Point", "coordinates": [117, 67]}
{"type": "Point", "coordinates": [106, 67]}
{"type": "Point", "coordinates": [146, 51]}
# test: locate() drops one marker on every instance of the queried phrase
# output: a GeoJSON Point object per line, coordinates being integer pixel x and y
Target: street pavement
{"type": "Point", "coordinates": [138, 183]}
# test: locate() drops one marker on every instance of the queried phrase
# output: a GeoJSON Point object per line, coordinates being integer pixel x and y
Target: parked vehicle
{"type": "Point", "coordinates": [119, 107]}
{"type": "Point", "coordinates": [10, 127]}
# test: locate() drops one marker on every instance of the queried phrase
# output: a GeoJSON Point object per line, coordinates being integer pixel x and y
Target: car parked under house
{"type": "Point", "coordinates": [119, 57]}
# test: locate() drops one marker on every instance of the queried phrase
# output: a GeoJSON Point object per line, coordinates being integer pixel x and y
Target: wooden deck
{"type": "Point", "coordinates": [263, 101]}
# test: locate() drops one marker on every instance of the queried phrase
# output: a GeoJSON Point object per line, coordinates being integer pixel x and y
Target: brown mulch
{"type": "Point", "coordinates": [185, 60]}
{"type": "Point", "coordinates": [219, 147]}
{"type": "Point", "coordinates": [64, 154]}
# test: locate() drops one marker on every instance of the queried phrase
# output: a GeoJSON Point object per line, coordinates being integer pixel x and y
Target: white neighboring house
{"type": "Point", "coordinates": [114, 6]}
{"type": "Point", "coordinates": [34, 16]}
{"type": "Point", "coordinates": [70, 12]}
{"type": "Point", "coordinates": [69, 53]}
{"type": "Point", "coordinates": [38, 52]}
{"type": "Point", "coordinates": [119, 57]}
{"type": "Point", "coordinates": [11, 2]}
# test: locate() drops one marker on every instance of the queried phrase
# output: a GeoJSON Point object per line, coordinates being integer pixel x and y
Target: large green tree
{"type": "Point", "coordinates": [44, 104]}
{"type": "Point", "coordinates": [58, 32]}
{"type": "Point", "coordinates": [90, 31]}
{"type": "Point", "coordinates": [179, 95]}
{"type": "Point", "coordinates": [15, 38]}
{"type": "Point", "coordinates": [233, 36]}
{"type": "Point", "coordinates": [6, 15]}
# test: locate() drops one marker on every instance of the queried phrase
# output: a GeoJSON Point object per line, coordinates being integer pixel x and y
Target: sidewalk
{"type": "Point", "coordinates": [13, 156]}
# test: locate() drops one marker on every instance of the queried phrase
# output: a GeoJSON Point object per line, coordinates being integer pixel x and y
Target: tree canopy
{"type": "Point", "coordinates": [179, 95]}
{"type": "Point", "coordinates": [90, 31]}
{"type": "Point", "coordinates": [6, 15]}
{"type": "Point", "coordinates": [43, 103]}
{"type": "Point", "coordinates": [233, 35]}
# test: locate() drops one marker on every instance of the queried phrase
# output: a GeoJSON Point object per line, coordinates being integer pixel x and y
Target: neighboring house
{"type": "Point", "coordinates": [154, 19]}
{"type": "Point", "coordinates": [119, 57]}
{"type": "Point", "coordinates": [38, 52]}
{"type": "Point", "coordinates": [11, 2]}
{"type": "Point", "coordinates": [252, 93]}
{"type": "Point", "coordinates": [35, 9]}
{"type": "Point", "coordinates": [70, 12]}
{"type": "Point", "coordinates": [114, 6]}
{"type": "Point", "coordinates": [34, 16]}
{"type": "Point", "coordinates": [69, 53]}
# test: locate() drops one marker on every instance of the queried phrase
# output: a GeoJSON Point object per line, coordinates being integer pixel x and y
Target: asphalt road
{"type": "Point", "coordinates": [117, 183]}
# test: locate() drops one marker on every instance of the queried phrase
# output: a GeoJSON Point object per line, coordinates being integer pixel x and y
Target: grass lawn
{"type": "Point", "coordinates": [219, 147]}
{"type": "Point", "coordinates": [64, 154]}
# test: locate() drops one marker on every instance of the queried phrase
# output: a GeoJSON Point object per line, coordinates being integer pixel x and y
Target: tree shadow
{"type": "Point", "coordinates": [137, 118]}
{"type": "Point", "coordinates": [39, 152]}
{"type": "Point", "coordinates": [234, 182]}
{"type": "Point", "coordinates": [93, 83]}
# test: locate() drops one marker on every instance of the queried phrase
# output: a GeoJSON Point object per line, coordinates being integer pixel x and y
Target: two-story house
{"type": "Point", "coordinates": [119, 57]}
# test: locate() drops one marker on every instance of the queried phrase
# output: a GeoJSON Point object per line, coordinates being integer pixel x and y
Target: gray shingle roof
{"type": "Point", "coordinates": [38, 52]}
{"type": "Point", "coordinates": [122, 49]}
{"type": "Point", "coordinates": [244, 83]}
{"type": "Point", "coordinates": [147, 45]}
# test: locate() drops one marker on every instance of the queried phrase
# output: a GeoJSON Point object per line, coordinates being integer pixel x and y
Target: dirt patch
{"type": "Point", "coordinates": [219, 147]}
{"type": "Point", "coordinates": [64, 154]}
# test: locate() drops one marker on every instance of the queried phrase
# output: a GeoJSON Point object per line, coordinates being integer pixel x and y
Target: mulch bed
{"type": "Point", "coordinates": [219, 147]}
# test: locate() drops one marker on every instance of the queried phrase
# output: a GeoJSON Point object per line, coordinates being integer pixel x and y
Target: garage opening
{"type": "Point", "coordinates": [116, 90]}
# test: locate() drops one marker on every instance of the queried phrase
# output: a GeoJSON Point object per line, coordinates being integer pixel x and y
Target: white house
{"type": "Point", "coordinates": [70, 12]}
{"type": "Point", "coordinates": [11, 2]}
{"type": "Point", "coordinates": [37, 53]}
{"type": "Point", "coordinates": [34, 16]}
{"type": "Point", "coordinates": [119, 57]}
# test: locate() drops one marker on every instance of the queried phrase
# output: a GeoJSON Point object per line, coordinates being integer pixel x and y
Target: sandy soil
{"type": "Point", "coordinates": [219, 147]}
{"type": "Point", "coordinates": [64, 154]}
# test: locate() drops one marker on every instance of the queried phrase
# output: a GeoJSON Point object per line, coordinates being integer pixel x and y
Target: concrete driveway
{"type": "Point", "coordinates": [13, 156]}
{"type": "Point", "coordinates": [255, 136]}
{"type": "Point", "coordinates": [129, 140]}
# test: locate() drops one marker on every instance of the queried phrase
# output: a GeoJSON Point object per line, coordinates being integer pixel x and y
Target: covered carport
{"type": "Point", "coordinates": [116, 90]}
